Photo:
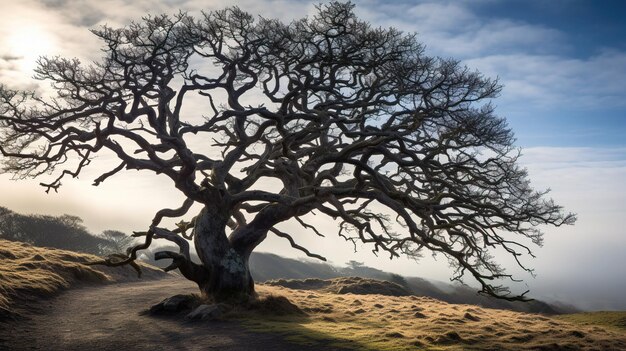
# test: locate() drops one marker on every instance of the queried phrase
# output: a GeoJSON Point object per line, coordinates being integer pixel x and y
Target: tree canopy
{"type": "Point", "coordinates": [262, 122]}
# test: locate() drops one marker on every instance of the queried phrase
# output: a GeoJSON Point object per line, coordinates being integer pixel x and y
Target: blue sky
{"type": "Point", "coordinates": [562, 63]}
{"type": "Point", "coordinates": [588, 29]}
{"type": "Point", "coordinates": [563, 67]}
{"type": "Point", "coordinates": [590, 25]}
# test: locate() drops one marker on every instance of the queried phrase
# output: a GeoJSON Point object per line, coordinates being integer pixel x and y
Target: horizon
{"type": "Point", "coordinates": [562, 65]}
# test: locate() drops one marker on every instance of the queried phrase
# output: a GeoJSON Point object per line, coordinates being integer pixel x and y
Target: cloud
{"type": "Point", "coordinates": [451, 29]}
{"type": "Point", "coordinates": [531, 60]}
{"type": "Point", "coordinates": [550, 81]}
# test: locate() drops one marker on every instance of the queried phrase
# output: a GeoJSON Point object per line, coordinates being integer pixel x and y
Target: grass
{"type": "Point", "coordinates": [378, 322]}
{"type": "Point", "coordinates": [29, 273]}
{"type": "Point", "coordinates": [610, 319]}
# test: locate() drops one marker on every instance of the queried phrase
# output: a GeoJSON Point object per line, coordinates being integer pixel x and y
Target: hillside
{"type": "Point", "coordinates": [267, 266]}
{"type": "Point", "coordinates": [383, 322]}
{"type": "Point", "coordinates": [29, 273]}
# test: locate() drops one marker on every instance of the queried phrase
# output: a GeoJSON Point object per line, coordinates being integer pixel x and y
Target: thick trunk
{"type": "Point", "coordinates": [228, 275]}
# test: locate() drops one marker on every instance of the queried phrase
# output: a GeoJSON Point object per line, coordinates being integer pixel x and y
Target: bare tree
{"type": "Point", "coordinates": [324, 114]}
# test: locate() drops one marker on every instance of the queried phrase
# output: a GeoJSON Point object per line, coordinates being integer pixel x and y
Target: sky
{"type": "Point", "coordinates": [563, 67]}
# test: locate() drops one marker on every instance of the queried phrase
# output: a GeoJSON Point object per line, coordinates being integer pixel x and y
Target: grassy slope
{"type": "Point", "coordinates": [377, 322]}
{"type": "Point", "coordinates": [610, 319]}
{"type": "Point", "coordinates": [29, 273]}
{"type": "Point", "coordinates": [265, 266]}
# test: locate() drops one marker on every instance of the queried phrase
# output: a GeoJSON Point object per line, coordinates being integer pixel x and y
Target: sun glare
{"type": "Point", "coordinates": [27, 43]}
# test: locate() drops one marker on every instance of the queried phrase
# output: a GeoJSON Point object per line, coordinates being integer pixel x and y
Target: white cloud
{"type": "Point", "coordinates": [550, 81]}
{"type": "Point", "coordinates": [531, 60]}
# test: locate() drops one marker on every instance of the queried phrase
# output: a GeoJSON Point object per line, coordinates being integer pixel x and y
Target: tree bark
{"type": "Point", "coordinates": [229, 274]}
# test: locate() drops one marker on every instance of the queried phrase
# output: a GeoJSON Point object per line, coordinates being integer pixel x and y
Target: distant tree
{"type": "Point", "coordinates": [61, 232]}
{"type": "Point", "coordinates": [398, 279]}
{"type": "Point", "coordinates": [325, 114]}
{"type": "Point", "coordinates": [116, 242]}
{"type": "Point", "coordinates": [352, 264]}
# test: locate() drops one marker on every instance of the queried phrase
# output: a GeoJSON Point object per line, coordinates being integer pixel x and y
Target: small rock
{"type": "Point", "coordinates": [360, 310]}
{"type": "Point", "coordinates": [419, 315]}
{"type": "Point", "coordinates": [378, 305]}
{"type": "Point", "coordinates": [205, 312]}
{"type": "Point", "coordinates": [356, 303]}
{"type": "Point", "coordinates": [173, 304]}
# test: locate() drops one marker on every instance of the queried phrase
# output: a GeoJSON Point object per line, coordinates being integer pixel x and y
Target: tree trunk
{"type": "Point", "coordinates": [228, 275]}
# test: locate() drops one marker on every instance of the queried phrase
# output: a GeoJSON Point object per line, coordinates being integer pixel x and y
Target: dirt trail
{"type": "Point", "coordinates": [109, 317]}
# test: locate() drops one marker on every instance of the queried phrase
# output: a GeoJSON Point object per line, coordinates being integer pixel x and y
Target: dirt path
{"type": "Point", "coordinates": [110, 317]}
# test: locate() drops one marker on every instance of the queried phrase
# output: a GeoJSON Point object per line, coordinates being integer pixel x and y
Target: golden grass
{"type": "Point", "coordinates": [610, 319]}
{"type": "Point", "coordinates": [377, 322]}
{"type": "Point", "coordinates": [29, 273]}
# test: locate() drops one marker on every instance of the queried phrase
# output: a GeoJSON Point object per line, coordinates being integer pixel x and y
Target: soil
{"type": "Point", "coordinates": [113, 317]}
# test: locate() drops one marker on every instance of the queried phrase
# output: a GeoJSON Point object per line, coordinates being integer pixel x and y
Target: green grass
{"type": "Point", "coordinates": [609, 319]}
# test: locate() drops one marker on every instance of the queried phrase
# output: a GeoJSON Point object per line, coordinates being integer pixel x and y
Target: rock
{"type": "Point", "coordinates": [206, 312]}
{"type": "Point", "coordinates": [419, 315]}
{"type": "Point", "coordinates": [173, 304]}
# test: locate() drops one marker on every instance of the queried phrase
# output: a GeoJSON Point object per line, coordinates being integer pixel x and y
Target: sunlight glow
{"type": "Point", "coordinates": [28, 43]}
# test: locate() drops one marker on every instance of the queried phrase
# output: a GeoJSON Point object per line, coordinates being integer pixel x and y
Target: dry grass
{"type": "Point", "coordinates": [378, 322]}
{"type": "Point", "coordinates": [344, 285]}
{"type": "Point", "coordinates": [29, 273]}
{"type": "Point", "coordinates": [610, 319]}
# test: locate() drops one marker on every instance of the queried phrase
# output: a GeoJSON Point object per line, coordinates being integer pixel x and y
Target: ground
{"type": "Point", "coordinates": [112, 317]}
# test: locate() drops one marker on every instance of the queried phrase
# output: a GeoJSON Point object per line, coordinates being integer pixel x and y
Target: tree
{"type": "Point", "coordinates": [400, 280]}
{"type": "Point", "coordinates": [116, 242]}
{"type": "Point", "coordinates": [325, 114]}
{"type": "Point", "coordinates": [62, 232]}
